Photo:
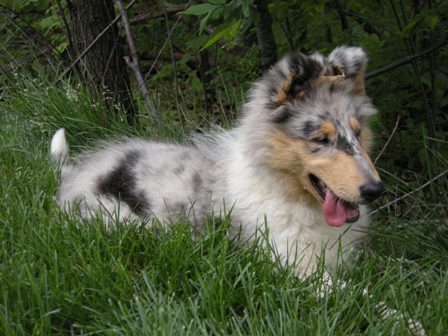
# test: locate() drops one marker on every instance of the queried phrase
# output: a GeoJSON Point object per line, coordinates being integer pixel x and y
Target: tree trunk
{"type": "Point", "coordinates": [341, 13]}
{"type": "Point", "coordinates": [265, 36]}
{"type": "Point", "coordinates": [103, 67]}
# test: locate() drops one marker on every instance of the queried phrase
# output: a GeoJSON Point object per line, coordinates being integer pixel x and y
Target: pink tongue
{"type": "Point", "coordinates": [336, 211]}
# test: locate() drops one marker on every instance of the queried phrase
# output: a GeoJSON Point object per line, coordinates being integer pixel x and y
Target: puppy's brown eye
{"type": "Point", "coordinates": [321, 140]}
{"type": "Point", "coordinates": [357, 133]}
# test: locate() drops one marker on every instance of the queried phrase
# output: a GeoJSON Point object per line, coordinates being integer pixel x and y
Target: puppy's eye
{"type": "Point", "coordinates": [357, 133]}
{"type": "Point", "coordinates": [321, 140]}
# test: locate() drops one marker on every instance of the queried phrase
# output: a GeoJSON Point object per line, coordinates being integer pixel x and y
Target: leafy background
{"type": "Point", "coordinates": [35, 37]}
{"type": "Point", "coordinates": [38, 255]}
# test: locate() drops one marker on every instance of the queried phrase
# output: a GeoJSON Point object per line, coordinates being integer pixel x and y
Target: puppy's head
{"type": "Point", "coordinates": [318, 136]}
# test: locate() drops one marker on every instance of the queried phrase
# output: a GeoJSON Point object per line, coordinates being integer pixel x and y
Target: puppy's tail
{"type": "Point", "coordinates": [59, 152]}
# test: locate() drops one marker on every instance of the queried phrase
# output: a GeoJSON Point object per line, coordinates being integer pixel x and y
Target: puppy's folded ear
{"type": "Point", "coordinates": [289, 80]}
{"type": "Point", "coordinates": [352, 62]}
{"type": "Point", "coordinates": [292, 77]}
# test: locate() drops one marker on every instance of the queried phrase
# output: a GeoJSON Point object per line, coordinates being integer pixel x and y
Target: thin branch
{"type": "Point", "coordinates": [373, 27]}
{"type": "Point", "coordinates": [169, 9]}
{"type": "Point", "coordinates": [36, 38]}
{"type": "Point", "coordinates": [64, 22]}
{"type": "Point", "coordinates": [192, 61]}
{"type": "Point", "coordinates": [86, 50]}
{"type": "Point", "coordinates": [132, 62]}
{"type": "Point", "coordinates": [127, 29]}
{"type": "Point", "coordinates": [27, 59]}
{"type": "Point", "coordinates": [286, 29]}
{"type": "Point", "coordinates": [68, 33]}
{"type": "Point", "coordinates": [397, 18]}
{"type": "Point", "coordinates": [432, 71]}
{"type": "Point", "coordinates": [173, 60]}
{"type": "Point", "coordinates": [164, 43]}
{"type": "Point", "coordinates": [382, 85]}
{"type": "Point", "coordinates": [388, 140]}
{"type": "Point", "coordinates": [403, 61]}
{"type": "Point", "coordinates": [409, 193]}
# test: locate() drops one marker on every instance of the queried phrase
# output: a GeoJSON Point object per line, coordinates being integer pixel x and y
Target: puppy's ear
{"type": "Point", "coordinates": [293, 76]}
{"type": "Point", "coordinates": [351, 62]}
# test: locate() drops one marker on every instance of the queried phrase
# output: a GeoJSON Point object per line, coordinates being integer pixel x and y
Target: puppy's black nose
{"type": "Point", "coordinates": [371, 191]}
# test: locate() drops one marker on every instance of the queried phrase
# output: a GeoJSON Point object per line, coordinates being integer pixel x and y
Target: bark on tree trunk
{"type": "Point", "coordinates": [341, 13]}
{"type": "Point", "coordinates": [103, 66]}
{"type": "Point", "coordinates": [265, 37]}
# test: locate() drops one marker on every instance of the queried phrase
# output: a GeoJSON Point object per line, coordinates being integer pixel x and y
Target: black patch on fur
{"type": "Point", "coordinates": [181, 208]}
{"type": "Point", "coordinates": [357, 66]}
{"type": "Point", "coordinates": [308, 128]}
{"type": "Point", "coordinates": [272, 90]}
{"type": "Point", "coordinates": [179, 169]}
{"type": "Point", "coordinates": [324, 116]}
{"type": "Point", "coordinates": [282, 115]}
{"type": "Point", "coordinates": [120, 183]}
{"type": "Point", "coordinates": [343, 144]}
{"type": "Point", "coordinates": [304, 69]}
{"type": "Point", "coordinates": [197, 182]}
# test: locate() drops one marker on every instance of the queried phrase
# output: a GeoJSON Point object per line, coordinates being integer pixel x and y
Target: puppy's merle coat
{"type": "Point", "coordinates": [297, 159]}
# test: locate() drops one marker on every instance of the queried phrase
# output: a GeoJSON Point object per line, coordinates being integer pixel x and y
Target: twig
{"type": "Point", "coordinates": [37, 37]}
{"type": "Point", "coordinates": [378, 88]}
{"type": "Point", "coordinates": [68, 33]}
{"type": "Point", "coordinates": [192, 62]}
{"type": "Point", "coordinates": [164, 43]}
{"type": "Point", "coordinates": [388, 140]}
{"type": "Point", "coordinates": [432, 116]}
{"type": "Point", "coordinates": [401, 62]}
{"type": "Point", "coordinates": [171, 9]}
{"type": "Point", "coordinates": [410, 47]}
{"type": "Point", "coordinates": [132, 62]}
{"type": "Point", "coordinates": [65, 23]}
{"type": "Point", "coordinates": [86, 50]}
{"type": "Point", "coordinates": [369, 26]}
{"type": "Point", "coordinates": [409, 193]}
{"type": "Point", "coordinates": [173, 60]}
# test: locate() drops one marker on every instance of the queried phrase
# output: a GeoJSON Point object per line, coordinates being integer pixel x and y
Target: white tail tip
{"type": "Point", "coordinates": [59, 149]}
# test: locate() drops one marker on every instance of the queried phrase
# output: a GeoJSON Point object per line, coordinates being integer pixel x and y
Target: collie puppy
{"type": "Point", "coordinates": [296, 165]}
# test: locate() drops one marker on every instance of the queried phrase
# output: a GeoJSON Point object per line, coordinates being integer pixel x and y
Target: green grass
{"type": "Point", "coordinates": [61, 275]}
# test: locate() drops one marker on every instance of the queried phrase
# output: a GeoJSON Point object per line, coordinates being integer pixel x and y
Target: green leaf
{"type": "Point", "coordinates": [196, 43]}
{"type": "Point", "coordinates": [228, 33]}
{"type": "Point", "coordinates": [200, 9]}
{"type": "Point", "coordinates": [246, 8]}
{"type": "Point", "coordinates": [431, 21]}
{"type": "Point", "coordinates": [410, 27]}
{"type": "Point", "coordinates": [204, 21]}
{"type": "Point", "coordinates": [62, 47]}
{"type": "Point", "coordinates": [425, 21]}
{"type": "Point", "coordinates": [214, 39]}
{"type": "Point", "coordinates": [49, 22]}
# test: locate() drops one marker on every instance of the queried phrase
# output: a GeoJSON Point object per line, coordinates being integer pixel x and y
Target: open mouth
{"type": "Point", "coordinates": [336, 210]}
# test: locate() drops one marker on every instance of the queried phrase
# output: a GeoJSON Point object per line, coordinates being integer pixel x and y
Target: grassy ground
{"type": "Point", "coordinates": [60, 275]}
